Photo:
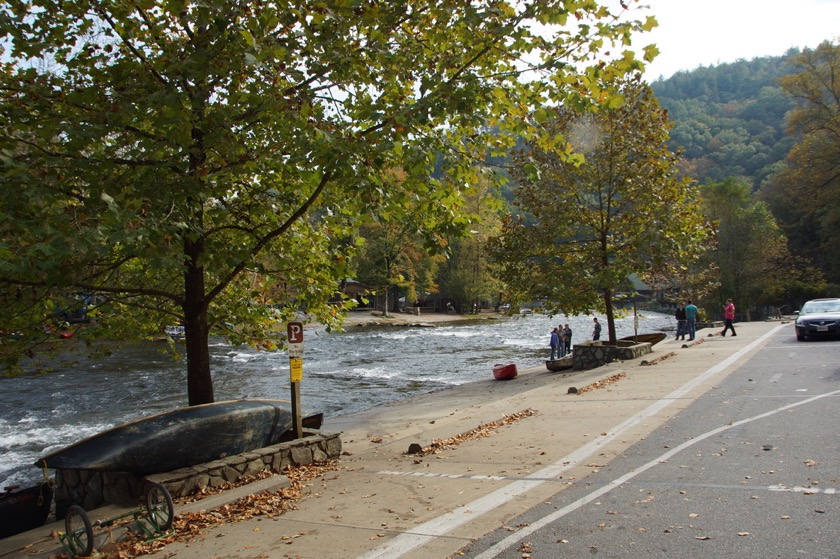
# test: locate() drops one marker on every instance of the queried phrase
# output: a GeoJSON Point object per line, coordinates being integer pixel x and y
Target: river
{"type": "Point", "coordinates": [342, 373]}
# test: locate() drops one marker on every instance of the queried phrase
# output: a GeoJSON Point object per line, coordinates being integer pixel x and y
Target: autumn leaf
{"type": "Point", "coordinates": [483, 430]}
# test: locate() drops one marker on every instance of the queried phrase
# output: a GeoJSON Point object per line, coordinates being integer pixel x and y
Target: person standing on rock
{"type": "Point", "coordinates": [596, 330]}
{"type": "Point", "coordinates": [554, 342]}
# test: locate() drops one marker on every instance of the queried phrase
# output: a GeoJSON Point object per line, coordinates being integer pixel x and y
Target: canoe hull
{"type": "Point", "coordinates": [652, 338]}
{"type": "Point", "coordinates": [557, 365]}
{"type": "Point", "coordinates": [504, 372]}
{"type": "Point", "coordinates": [24, 509]}
{"type": "Point", "coordinates": [180, 438]}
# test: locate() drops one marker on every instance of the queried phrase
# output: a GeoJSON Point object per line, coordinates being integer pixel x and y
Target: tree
{"type": "Point", "coordinates": [751, 254]}
{"type": "Point", "coordinates": [390, 255]}
{"type": "Point", "coordinates": [184, 159]}
{"type": "Point", "coordinates": [803, 194]}
{"type": "Point", "coordinates": [613, 209]}
{"type": "Point", "coordinates": [468, 276]}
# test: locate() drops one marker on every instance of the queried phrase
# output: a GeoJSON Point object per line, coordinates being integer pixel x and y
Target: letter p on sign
{"type": "Point", "coordinates": [295, 332]}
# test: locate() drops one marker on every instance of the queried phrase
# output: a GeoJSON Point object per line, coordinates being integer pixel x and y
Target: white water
{"type": "Point", "coordinates": [343, 373]}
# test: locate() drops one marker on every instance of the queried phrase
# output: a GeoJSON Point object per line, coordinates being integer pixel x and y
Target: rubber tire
{"type": "Point", "coordinates": [82, 543]}
{"type": "Point", "coordinates": [157, 495]}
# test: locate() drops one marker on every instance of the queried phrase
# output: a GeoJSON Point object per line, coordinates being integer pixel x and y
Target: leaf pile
{"type": "Point", "coordinates": [483, 430]}
{"type": "Point", "coordinates": [602, 383]}
{"type": "Point", "coordinates": [189, 525]}
{"type": "Point", "coordinates": [658, 359]}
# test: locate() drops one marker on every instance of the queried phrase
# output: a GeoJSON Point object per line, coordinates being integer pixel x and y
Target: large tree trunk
{"type": "Point", "coordinates": [197, 330]}
{"type": "Point", "coordinates": [608, 306]}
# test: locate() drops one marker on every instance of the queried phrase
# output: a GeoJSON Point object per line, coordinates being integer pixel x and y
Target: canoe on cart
{"type": "Point", "coordinates": [183, 437]}
{"type": "Point", "coordinates": [504, 372]}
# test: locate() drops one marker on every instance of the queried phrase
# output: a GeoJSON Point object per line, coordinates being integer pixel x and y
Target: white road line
{"type": "Point", "coordinates": [811, 490]}
{"type": "Point", "coordinates": [408, 541]}
{"type": "Point", "coordinates": [534, 526]}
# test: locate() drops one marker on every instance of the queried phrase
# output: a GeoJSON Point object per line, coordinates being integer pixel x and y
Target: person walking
{"type": "Point", "coordinates": [568, 339]}
{"type": "Point", "coordinates": [596, 330]}
{"type": "Point", "coordinates": [691, 319]}
{"type": "Point", "coordinates": [728, 316]}
{"type": "Point", "coordinates": [554, 343]}
{"type": "Point", "coordinates": [681, 322]}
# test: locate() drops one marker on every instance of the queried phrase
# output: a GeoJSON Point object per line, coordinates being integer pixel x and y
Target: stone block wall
{"type": "Point", "coordinates": [92, 489]}
{"type": "Point", "coordinates": [592, 354]}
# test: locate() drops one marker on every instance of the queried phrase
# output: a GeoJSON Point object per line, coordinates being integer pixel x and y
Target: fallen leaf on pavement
{"type": "Point", "coordinates": [483, 430]}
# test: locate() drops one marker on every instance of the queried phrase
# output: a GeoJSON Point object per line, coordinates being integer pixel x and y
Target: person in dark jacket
{"type": "Point", "coordinates": [554, 343]}
{"type": "Point", "coordinates": [561, 349]}
{"type": "Point", "coordinates": [568, 339]}
{"type": "Point", "coordinates": [596, 330]}
{"type": "Point", "coordinates": [682, 324]}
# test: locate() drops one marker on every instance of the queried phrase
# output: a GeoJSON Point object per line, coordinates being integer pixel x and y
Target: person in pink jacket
{"type": "Point", "coordinates": [729, 316]}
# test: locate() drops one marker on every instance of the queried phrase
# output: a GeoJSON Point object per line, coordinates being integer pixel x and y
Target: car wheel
{"type": "Point", "coordinates": [800, 337]}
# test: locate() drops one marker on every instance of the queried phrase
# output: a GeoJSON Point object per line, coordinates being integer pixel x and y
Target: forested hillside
{"type": "Point", "coordinates": [773, 124]}
{"type": "Point", "coordinates": [729, 120]}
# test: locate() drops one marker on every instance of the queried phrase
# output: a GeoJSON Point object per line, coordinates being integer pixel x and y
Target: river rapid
{"type": "Point", "coordinates": [342, 373]}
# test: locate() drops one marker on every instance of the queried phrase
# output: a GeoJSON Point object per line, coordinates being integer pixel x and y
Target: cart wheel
{"type": "Point", "coordinates": [159, 506]}
{"type": "Point", "coordinates": [79, 531]}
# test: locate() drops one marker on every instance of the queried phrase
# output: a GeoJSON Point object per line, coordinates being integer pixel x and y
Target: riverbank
{"type": "Point", "coordinates": [359, 319]}
{"type": "Point", "coordinates": [489, 451]}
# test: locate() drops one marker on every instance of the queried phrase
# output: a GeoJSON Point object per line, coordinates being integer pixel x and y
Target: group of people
{"type": "Point", "coordinates": [561, 341]}
{"type": "Point", "coordinates": [686, 315]}
{"type": "Point", "coordinates": [687, 320]}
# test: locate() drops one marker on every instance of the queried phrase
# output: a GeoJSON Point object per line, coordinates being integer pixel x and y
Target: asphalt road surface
{"type": "Point", "coordinates": [750, 470]}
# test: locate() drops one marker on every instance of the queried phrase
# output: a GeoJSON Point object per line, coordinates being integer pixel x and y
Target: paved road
{"type": "Point", "coordinates": [750, 469]}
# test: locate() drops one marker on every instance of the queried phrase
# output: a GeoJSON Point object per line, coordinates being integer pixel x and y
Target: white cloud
{"type": "Point", "coordinates": [710, 32]}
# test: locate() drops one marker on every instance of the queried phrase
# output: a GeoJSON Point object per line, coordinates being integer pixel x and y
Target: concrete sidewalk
{"type": "Point", "coordinates": [385, 503]}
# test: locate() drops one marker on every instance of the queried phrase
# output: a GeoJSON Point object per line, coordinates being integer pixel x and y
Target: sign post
{"type": "Point", "coordinates": [295, 339]}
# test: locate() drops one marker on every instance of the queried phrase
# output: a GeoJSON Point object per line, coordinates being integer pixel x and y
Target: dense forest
{"type": "Point", "coordinates": [733, 128]}
{"type": "Point", "coordinates": [730, 119]}
{"type": "Point", "coordinates": [770, 123]}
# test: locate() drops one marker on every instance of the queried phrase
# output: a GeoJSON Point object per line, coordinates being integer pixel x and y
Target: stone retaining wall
{"type": "Point", "coordinates": [92, 489]}
{"type": "Point", "coordinates": [592, 354]}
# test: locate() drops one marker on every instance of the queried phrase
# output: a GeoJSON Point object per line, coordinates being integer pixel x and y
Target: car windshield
{"type": "Point", "coordinates": [813, 307]}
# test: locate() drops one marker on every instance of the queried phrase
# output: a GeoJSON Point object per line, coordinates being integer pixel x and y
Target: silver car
{"type": "Point", "coordinates": [819, 317]}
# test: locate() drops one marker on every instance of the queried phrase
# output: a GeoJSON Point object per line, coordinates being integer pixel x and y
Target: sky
{"type": "Point", "coordinates": [710, 32]}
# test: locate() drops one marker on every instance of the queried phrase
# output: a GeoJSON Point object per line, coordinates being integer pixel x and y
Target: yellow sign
{"type": "Point", "coordinates": [296, 369]}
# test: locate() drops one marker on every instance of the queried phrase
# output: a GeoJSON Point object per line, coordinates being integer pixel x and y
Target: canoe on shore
{"type": "Point", "coordinates": [652, 338]}
{"type": "Point", "coordinates": [182, 437]}
{"type": "Point", "coordinates": [557, 365]}
{"type": "Point", "coordinates": [504, 372]}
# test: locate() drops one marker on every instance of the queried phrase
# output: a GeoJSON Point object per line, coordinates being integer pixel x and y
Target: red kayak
{"type": "Point", "coordinates": [504, 372]}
